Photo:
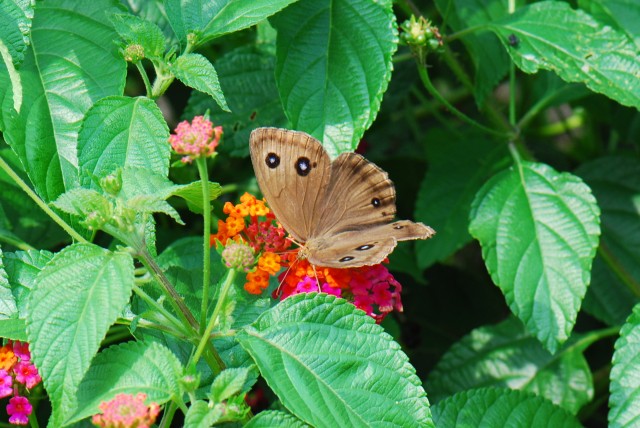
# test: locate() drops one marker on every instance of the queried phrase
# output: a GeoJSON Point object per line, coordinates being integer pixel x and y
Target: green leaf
{"type": "Point", "coordinates": [495, 407]}
{"type": "Point", "coordinates": [457, 171]}
{"type": "Point", "coordinates": [213, 19]}
{"type": "Point", "coordinates": [74, 300]}
{"type": "Point", "coordinates": [82, 202]}
{"type": "Point", "coordinates": [539, 232]}
{"type": "Point", "coordinates": [275, 418]}
{"type": "Point", "coordinates": [198, 73]}
{"type": "Point", "coordinates": [14, 329]}
{"type": "Point", "coordinates": [228, 383]}
{"type": "Point", "coordinates": [192, 193]}
{"type": "Point", "coordinates": [615, 278]}
{"type": "Point", "coordinates": [122, 132]}
{"type": "Point", "coordinates": [490, 60]}
{"type": "Point", "coordinates": [22, 268]}
{"type": "Point", "coordinates": [333, 66]}
{"type": "Point", "coordinates": [247, 78]}
{"type": "Point", "coordinates": [129, 368]}
{"type": "Point", "coordinates": [201, 415]}
{"type": "Point", "coordinates": [583, 51]}
{"type": "Point", "coordinates": [623, 15]}
{"type": "Point", "coordinates": [331, 365]}
{"type": "Point", "coordinates": [624, 401]}
{"type": "Point", "coordinates": [135, 30]}
{"type": "Point", "coordinates": [506, 355]}
{"type": "Point", "coordinates": [8, 307]}
{"type": "Point", "coordinates": [72, 63]}
{"type": "Point", "coordinates": [15, 22]}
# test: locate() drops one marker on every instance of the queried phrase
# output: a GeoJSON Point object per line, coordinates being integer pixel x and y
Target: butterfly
{"type": "Point", "coordinates": [340, 212]}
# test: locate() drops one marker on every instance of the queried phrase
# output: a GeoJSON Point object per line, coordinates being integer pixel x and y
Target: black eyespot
{"type": "Point", "coordinates": [398, 227]}
{"type": "Point", "coordinates": [365, 247]}
{"type": "Point", "coordinates": [303, 166]}
{"type": "Point", "coordinates": [513, 40]}
{"type": "Point", "coordinates": [375, 202]}
{"type": "Point", "coordinates": [346, 259]}
{"type": "Point", "coordinates": [272, 160]}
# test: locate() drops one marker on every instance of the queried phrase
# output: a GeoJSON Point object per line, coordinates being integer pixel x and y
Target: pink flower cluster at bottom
{"type": "Point", "coordinates": [126, 411]}
{"type": "Point", "coordinates": [17, 376]}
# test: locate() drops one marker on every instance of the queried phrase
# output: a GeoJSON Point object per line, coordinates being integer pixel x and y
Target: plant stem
{"type": "Point", "coordinates": [55, 217]}
{"type": "Point", "coordinates": [166, 314]}
{"type": "Point", "coordinates": [145, 78]}
{"type": "Point", "coordinates": [222, 297]}
{"type": "Point", "coordinates": [206, 246]}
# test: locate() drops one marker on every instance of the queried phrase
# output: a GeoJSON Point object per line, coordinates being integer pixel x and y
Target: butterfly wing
{"type": "Point", "coordinates": [293, 171]}
{"type": "Point", "coordinates": [368, 246]}
{"type": "Point", "coordinates": [359, 195]}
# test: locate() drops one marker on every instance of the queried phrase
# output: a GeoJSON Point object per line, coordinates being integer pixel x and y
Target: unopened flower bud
{"type": "Point", "coordinates": [133, 53]}
{"type": "Point", "coordinates": [239, 256]}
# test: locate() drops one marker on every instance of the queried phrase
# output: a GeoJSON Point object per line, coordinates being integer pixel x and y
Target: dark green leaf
{"type": "Point", "coordinates": [316, 345]}
{"type": "Point", "coordinates": [129, 368]}
{"type": "Point", "coordinates": [583, 51]}
{"type": "Point", "coordinates": [539, 232]}
{"type": "Point", "coordinates": [15, 23]}
{"type": "Point", "coordinates": [615, 283]}
{"type": "Point", "coordinates": [201, 415]}
{"type": "Point", "coordinates": [192, 193]}
{"type": "Point", "coordinates": [135, 30]}
{"type": "Point", "coordinates": [8, 307]}
{"type": "Point", "coordinates": [625, 375]}
{"type": "Point", "coordinates": [74, 300]}
{"type": "Point", "coordinates": [197, 72]}
{"type": "Point", "coordinates": [505, 355]}
{"type": "Point", "coordinates": [229, 383]}
{"type": "Point", "coordinates": [333, 65]}
{"type": "Point", "coordinates": [275, 418]}
{"type": "Point", "coordinates": [59, 89]}
{"type": "Point", "coordinates": [120, 132]}
{"type": "Point", "coordinates": [622, 15]}
{"type": "Point", "coordinates": [495, 407]}
{"type": "Point", "coordinates": [23, 267]}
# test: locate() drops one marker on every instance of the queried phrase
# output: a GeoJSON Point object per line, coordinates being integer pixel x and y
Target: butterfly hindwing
{"type": "Point", "coordinates": [293, 171]}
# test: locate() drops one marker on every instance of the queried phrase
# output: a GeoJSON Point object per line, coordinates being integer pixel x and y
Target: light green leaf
{"type": "Point", "coordinates": [198, 73]}
{"type": "Point", "coordinates": [135, 30]}
{"type": "Point", "coordinates": [201, 415]}
{"type": "Point", "coordinates": [14, 329]}
{"type": "Point", "coordinates": [615, 278]}
{"type": "Point", "coordinates": [457, 171]}
{"type": "Point", "coordinates": [72, 63]}
{"type": "Point", "coordinates": [151, 204]}
{"type": "Point", "coordinates": [275, 418]}
{"type": "Point", "coordinates": [129, 368]}
{"type": "Point", "coordinates": [495, 407]}
{"type": "Point", "coordinates": [247, 78]}
{"type": "Point", "coordinates": [74, 300]}
{"type": "Point", "coordinates": [153, 11]}
{"type": "Point", "coordinates": [622, 15]}
{"type": "Point", "coordinates": [553, 36]}
{"type": "Point", "coordinates": [22, 268]}
{"type": "Point", "coordinates": [192, 193]}
{"type": "Point", "coordinates": [333, 66]}
{"type": "Point", "coordinates": [539, 232]}
{"type": "Point", "coordinates": [15, 22]}
{"type": "Point", "coordinates": [332, 366]}
{"type": "Point", "coordinates": [228, 383]}
{"type": "Point", "coordinates": [490, 60]}
{"type": "Point", "coordinates": [122, 132]}
{"type": "Point", "coordinates": [213, 19]}
{"type": "Point", "coordinates": [82, 202]}
{"type": "Point", "coordinates": [8, 307]}
{"type": "Point", "coordinates": [624, 402]}
{"type": "Point", "coordinates": [505, 355]}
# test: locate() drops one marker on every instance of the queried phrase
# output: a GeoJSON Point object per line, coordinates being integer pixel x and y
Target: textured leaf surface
{"type": "Point", "coordinates": [73, 63]}
{"type": "Point", "coordinates": [201, 415]}
{"type": "Point", "coordinates": [624, 402]}
{"type": "Point", "coordinates": [197, 72]}
{"type": "Point", "coordinates": [228, 383]}
{"type": "Point", "coordinates": [539, 232]}
{"type": "Point", "coordinates": [494, 407]}
{"type": "Point", "coordinates": [15, 23]}
{"type": "Point", "coordinates": [8, 307]}
{"type": "Point", "coordinates": [274, 418]}
{"type": "Point", "coordinates": [22, 268]}
{"type": "Point", "coordinates": [129, 368]}
{"type": "Point", "coordinates": [553, 36]}
{"type": "Point", "coordinates": [333, 65]}
{"type": "Point", "coordinates": [331, 365]}
{"type": "Point", "coordinates": [456, 172]}
{"type": "Point", "coordinates": [615, 278]}
{"type": "Point", "coordinates": [74, 300]}
{"type": "Point", "coordinates": [505, 355]}
{"type": "Point", "coordinates": [623, 15]}
{"type": "Point", "coordinates": [247, 79]}
{"type": "Point", "coordinates": [122, 132]}
{"type": "Point", "coordinates": [135, 30]}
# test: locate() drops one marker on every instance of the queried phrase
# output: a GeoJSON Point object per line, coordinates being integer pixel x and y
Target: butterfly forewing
{"type": "Point", "coordinates": [293, 171]}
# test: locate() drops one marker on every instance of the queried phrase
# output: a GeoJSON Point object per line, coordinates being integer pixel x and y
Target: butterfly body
{"type": "Point", "coordinates": [341, 211]}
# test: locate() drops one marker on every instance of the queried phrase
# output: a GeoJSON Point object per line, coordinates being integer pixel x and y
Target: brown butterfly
{"type": "Point", "coordinates": [341, 212]}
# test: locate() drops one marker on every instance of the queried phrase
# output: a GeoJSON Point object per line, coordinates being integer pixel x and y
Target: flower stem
{"type": "Point", "coordinates": [222, 297]}
{"type": "Point", "coordinates": [145, 78]}
{"type": "Point", "coordinates": [206, 246]}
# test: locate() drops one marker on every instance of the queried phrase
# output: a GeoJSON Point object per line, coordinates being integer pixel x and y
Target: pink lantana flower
{"type": "Point", "coordinates": [19, 410]}
{"type": "Point", "coordinates": [27, 374]}
{"type": "Point", "coordinates": [21, 349]}
{"type": "Point", "coordinates": [126, 411]}
{"type": "Point", "coordinates": [6, 384]}
{"type": "Point", "coordinates": [196, 139]}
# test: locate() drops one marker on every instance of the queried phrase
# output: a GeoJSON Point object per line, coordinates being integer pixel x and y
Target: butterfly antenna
{"type": "Point", "coordinates": [285, 276]}
{"type": "Point", "coordinates": [317, 279]}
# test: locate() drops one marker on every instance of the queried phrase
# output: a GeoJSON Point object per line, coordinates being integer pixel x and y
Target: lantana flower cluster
{"type": "Point", "coordinates": [370, 288]}
{"type": "Point", "coordinates": [17, 376]}
{"type": "Point", "coordinates": [126, 411]}
{"type": "Point", "coordinates": [196, 139]}
{"type": "Point", "coordinates": [252, 225]}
